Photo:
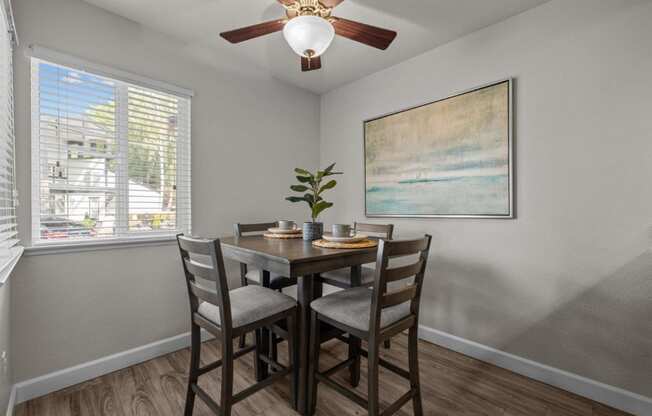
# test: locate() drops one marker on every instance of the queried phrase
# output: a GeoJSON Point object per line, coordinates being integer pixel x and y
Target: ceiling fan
{"type": "Point", "coordinates": [309, 29]}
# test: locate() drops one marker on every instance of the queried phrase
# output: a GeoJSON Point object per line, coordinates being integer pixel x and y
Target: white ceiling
{"type": "Point", "coordinates": [421, 25]}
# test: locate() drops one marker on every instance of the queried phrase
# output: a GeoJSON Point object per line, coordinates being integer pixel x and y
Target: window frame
{"type": "Point", "coordinates": [125, 238]}
{"type": "Point", "coordinates": [9, 259]}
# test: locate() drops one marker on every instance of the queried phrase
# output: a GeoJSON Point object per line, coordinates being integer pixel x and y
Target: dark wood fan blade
{"type": "Point", "coordinates": [310, 64]}
{"type": "Point", "coordinates": [367, 34]}
{"type": "Point", "coordinates": [331, 3]}
{"type": "Point", "coordinates": [250, 32]}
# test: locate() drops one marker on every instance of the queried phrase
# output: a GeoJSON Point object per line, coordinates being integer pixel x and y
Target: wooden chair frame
{"type": "Point", "coordinates": [225, 333]}
{"type": "Point", "coordinates": [376, 335]}
{"type": "Point", "coordinates": [242, 229]}
{"type": "Point", "coordinates": [382, 231]}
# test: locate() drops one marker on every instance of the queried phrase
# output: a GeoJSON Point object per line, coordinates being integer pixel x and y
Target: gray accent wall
{"type": "Point", "coordinates": [248, 132]}
{"type": "Point", "coordinates": [568, 283]}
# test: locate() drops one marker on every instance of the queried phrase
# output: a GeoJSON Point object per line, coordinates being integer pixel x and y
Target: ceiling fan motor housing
{"type": "Point", "coordinates": [308, 8]}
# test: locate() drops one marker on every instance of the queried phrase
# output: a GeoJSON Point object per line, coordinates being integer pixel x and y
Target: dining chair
{"type": "Point", "coordinates": [227, 315]}
{"type": "Point", "coordinates": [250, 275]}
{"type": "Point", "coordinates": [375, 315]}
{"type": "Point", "coordinates": [343, 279]}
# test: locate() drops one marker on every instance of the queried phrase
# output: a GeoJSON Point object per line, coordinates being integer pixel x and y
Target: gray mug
{"type": "Point", "coordinates": [287, 225]}
{"type": "Point", "coordinates": [341, 230]}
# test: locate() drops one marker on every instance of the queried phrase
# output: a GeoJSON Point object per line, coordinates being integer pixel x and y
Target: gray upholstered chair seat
{"type": "Point", "coordinates": [352, 307]}
{"type": "Point", "coordinates": [249, 304]}
{"type": "Point", "coordinates": [276, 281]}
{"type": "Point", "coordinates": [343, 276]}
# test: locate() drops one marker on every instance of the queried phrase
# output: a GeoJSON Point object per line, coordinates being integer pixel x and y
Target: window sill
{"type": "Point", "coordinates": [7, 266]}
{"type": "Point", "coordinates": [113, 244]}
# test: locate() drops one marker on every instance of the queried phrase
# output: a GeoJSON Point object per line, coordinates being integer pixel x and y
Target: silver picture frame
{"type": "Point", "coordinates": [511, 158]}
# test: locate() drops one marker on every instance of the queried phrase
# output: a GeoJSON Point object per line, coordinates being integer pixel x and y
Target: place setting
{"type": "Point", "coordinates": [344, 236]}
{"type": "Point", "coordinates": [285, 230]}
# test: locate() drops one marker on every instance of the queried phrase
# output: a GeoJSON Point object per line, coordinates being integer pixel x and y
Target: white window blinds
{"type": "Point", "coordinates": [110, 159]}
{"type": "Point", "coordinates": [8, 231]}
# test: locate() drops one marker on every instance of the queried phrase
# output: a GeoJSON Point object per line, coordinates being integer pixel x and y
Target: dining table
{"type": "Point", "coordinates": [296, 258]}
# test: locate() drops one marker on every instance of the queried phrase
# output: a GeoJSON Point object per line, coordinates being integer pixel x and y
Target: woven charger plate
{"type": "Point", "coordinates": [283, 236]}
{"type": "Point", "coordinates": [332, 244]}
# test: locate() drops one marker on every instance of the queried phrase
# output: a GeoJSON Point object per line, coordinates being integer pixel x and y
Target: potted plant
{"type": "Point", "coordinates": [310, 185]}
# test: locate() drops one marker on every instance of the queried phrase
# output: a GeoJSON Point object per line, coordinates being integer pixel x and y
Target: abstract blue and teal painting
{"type": "Point", "coordinates": [447, 158]}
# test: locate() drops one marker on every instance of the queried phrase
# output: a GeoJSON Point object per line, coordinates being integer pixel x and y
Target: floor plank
{"type": "Point", "coordinates": [453, 385]}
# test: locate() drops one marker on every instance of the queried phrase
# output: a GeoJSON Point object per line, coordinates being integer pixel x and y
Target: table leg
{"type": "Point", "coordinates": [305, 293]}
{"type": "Point", "coordinates": [355, 344]}
{"type": "Point", "coordinates": [262, 368]}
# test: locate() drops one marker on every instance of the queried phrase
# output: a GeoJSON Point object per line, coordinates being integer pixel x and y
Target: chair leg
{"type": "Point", "coordinates": [293, 358]}
{"type": "Point", "coordinates": [354, 352]}
{"type": "Point", "coordinates": [195, 348]}
{"type": "Point", "coordinates": [273, 349]}
{"type": "Point", "coordinates": [355, 343]}
{"type": "Point", "coordinates": [317, 289]}
{"type": "Point", "coordinates": [226, 399]}
{"type": "Point", "coordinates": [314, 365]}
{"type": "Point", "coordinates": [413, 353]}
{"type": "Point", "coordinates": [257, 361]}
{"type": "Point", "coordinates": [373, 398]}
{"type": "Point", "coordinates": [243, 282]}
{"type": "Point", "coordinates": [265, 277]}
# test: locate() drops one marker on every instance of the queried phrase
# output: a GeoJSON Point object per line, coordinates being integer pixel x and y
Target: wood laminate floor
{"type": "Point", "coordinates": [453, 385]}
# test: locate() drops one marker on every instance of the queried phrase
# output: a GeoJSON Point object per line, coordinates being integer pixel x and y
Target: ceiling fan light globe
{"type": "Point", "coordinates": [309, 36]}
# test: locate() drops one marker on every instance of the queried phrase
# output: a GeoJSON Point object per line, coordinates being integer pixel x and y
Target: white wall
{"type": "Point", "coordinates": [6, 380]}
{"type": "Point", "coordinates": [249, 131]}
{"type": "Point", "coordinates": [569, 282]}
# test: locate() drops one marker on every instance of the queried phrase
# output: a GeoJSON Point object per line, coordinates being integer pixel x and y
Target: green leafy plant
{"type": "Point", "coordinates": [311, 186]}
{"type": "Point", "coordinates": [88, 222]}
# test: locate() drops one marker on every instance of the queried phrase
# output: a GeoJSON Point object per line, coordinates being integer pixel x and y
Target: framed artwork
{"type": "Point", "coordinates": [448, 158]}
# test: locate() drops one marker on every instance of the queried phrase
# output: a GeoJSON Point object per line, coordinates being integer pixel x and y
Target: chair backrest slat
{"type": "Point", "coordinates": [194, 245]}
{"type": "Point", "coordinates": [385, 231]}
{"type": "Point", "coordinates": [398, 296]}
{"type": "Point", "coordinates": [407, 248]}
{"type": "Point", "coordinates": [400, 273]}
{"type": "Point", "coordinates": [204, 293]}
{"type": "Point", "coordinates": [242, 229]}
{"type": "Point", "coordinates": [189, 247]}
{"type": "Point", "coordinates": [200, 270]}
{"type": "Point", "coordinates": [411, 293]}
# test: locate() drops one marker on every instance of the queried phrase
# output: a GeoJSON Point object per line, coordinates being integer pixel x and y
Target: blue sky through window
{"type": "Point", "coordinates": [74, 93]}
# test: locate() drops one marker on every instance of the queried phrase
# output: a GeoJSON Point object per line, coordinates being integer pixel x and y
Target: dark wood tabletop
{"type": "Point", "coordinates": [289, 250]}
{"type": "Point", "coordinates": [293, 257]}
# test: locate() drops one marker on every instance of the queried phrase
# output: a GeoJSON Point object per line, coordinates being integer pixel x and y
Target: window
{"type": "Point", "coordinates": [110, 158]}
{"type": "Point", "coordinates": [9, 249]}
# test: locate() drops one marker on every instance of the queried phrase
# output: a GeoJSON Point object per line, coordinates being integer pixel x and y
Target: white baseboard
{"type": "Point", "coordinates": [612, 396]}
{"type": "Point", "coordinates": [48, 383]}
{"type": "Point", "coordinates": [12, 401]}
